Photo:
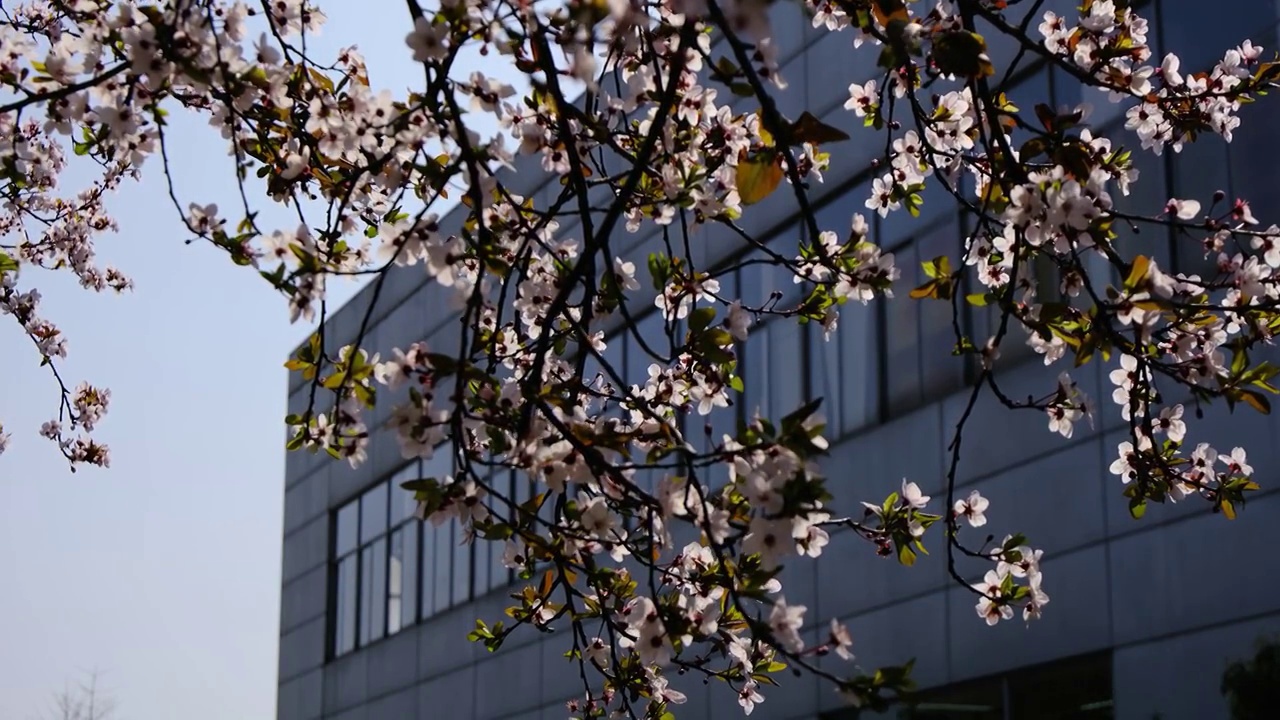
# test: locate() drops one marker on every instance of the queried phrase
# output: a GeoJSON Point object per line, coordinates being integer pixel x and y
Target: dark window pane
{"type": "Point", "coordinates": [1068, 92]}
{"type": "Point", "coordinates": [941, 372]}
{"type": "Point", "coordinates": [902, 335]}
{"type": "Point", "coordinates": [523, 489]}
{"type": "Point", "coordinates": [757, 376]}
{"type": "Point", "coordinates": [409, 579]}
{"type": "Point", "coordinates": [1254, 173]}
{"type": "Point", "coordinates": [647, 479]}
{"type": "Point", "coordinates": [344, 635]}
{"type": "Point", "coordinates": [402, 503]}
{"type": "Point", "coordinates": [348, 527]}
{"type": "Point", "coordinates": [1075, 689]}
{"type": "Point", "coordinates": [1147, 196]}
{"type": "Point", "coordinates": [443, 552]}
{"type": "Point", "coordinates": [653, 329]}
{"type": "Point", "coordinates": [786, 381]}
{"type": "Point", "coordinates": [373, 513]}
{"type": "Point", "coordinates": [761, 280]}
{"type": "Point", "coordinates": [614, 365]}
{"type": "Point", "coordinates": [498, 573]}
{"type": "Point", "coordinates": [1200, 38]}
{"type": "Point", "coordinates": [480, 566]}
{"type": "Point", "coordinates": [395, 582]}
{"type": "Point", "coordinates": [428, 578]}
{"type": "Point", "coordinates": [978, 700]}
{"type": "Point", "coordinates": [461, 564]}
{"type": "Point", "coordinates": [859, 385]}
{"type": "Point", "coordinates": [1200, 170]}
{"type": "Point", "coordinates": [824, 376]}
{"type": "Point", "coordinates": [373, 588]}
{"type": "Point", "coordinates": [728, 287]}
{"type": "Point", "coordinates": [723, 421]}
{"type": "Point", "coordinates": [401, 578]}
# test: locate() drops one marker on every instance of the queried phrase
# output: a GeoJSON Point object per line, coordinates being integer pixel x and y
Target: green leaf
{"type": "Point", "coordinates": [1137, 508]}
{"type": "Point", "coordinates": [889, 502]}
{"type": "Point", "coordinates": [659, 270]}
{"type": "Point", "coordinates": [906, 555]}
{"type": "Point", "coordinates": [701, 318]}
{"type": "Point", "coordinates": [939, 267]}
{"type": "Point", "coordinates": [977, 299]}
{"type": "Point", "coordinates": [7, 264]}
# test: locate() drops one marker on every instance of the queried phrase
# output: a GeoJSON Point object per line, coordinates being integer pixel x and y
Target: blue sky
{"type": "Point", "coordinates": [163, 572]}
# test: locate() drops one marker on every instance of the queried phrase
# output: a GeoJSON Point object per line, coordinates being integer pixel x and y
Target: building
{"type": "Point", "coordinates": [1144, 614]}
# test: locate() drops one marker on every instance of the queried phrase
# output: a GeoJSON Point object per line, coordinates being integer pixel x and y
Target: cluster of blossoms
{"type": "Point", "coordinates": [661, 556]}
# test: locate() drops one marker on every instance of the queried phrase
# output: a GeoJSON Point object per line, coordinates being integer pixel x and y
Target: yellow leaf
{"type": "Point", "coordinates": [1228, 509]}
{"type": "Point", "coordinates": [1138, 271]}
{"type": "Point", "coordinates": [758, 177]}
{"type": "Point", "coordinates": [766, 137]}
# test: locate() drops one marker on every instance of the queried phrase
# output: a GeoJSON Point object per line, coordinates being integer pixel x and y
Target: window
{"type": "Point", "coordinates": [652, 329]}
{"type": "Point", "coordinates": [442, 550]}
{"type": "Point", "coordinates": [1072, 689]}
{"type": "Point", "coordinates": [1201, 38]}
{"type": "Point", "coordinates": [786, 366]}
{"type": "Point", "coordinates": [345, 625]}
{"type": "Point", "coordinates": [763, 279]}
{"type": "Point", "coordinates": [977, 700]}
{"type": "Point", "coordinates": [824, 374]}
{"type": "Point", "coordinates": [402, 568]}
{"type": "Point", "coordinates": [756, 372]}
{"type": "Point", "coordinates": [461, 564]}
{"type": "Point", "coordinates": [1200, 170]}
{"type": "Point", "coordinates": [375, 549]}
{"type": "Point", "coordinates": [1254, 175]}
{"type": "Point", "coordinates": [373, 569]}
{"type": "Point", "coordinates": [373, 579]}
{"type": "Point", "coordinates": [1147, 196]}
{"type": "Point", "coordinates": [858, 372]}
{"type": "Point", "coordinates": [899, 335]}
{"type": "Point", "coordinates": [940, 371]}
{"type": "Point", "coordinates": [390, 570]}
{"type": "Point", "coordinates": [499, 574]}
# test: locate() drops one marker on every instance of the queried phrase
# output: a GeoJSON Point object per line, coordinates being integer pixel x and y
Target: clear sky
{"type": "Point", "coordinates": [163, 571]}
